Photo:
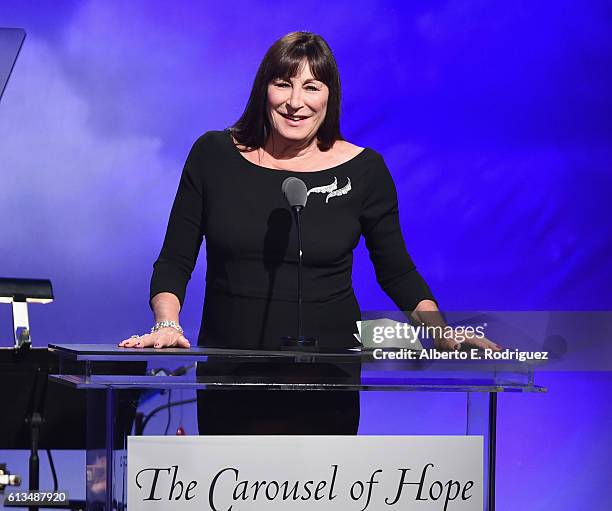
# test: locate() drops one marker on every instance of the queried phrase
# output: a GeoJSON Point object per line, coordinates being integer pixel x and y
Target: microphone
{"type": "Point", "coordinates": [296, 193]}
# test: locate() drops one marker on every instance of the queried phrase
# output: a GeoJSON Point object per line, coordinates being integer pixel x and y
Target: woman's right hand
{"type": "Point", "coordinates": [164, 338]}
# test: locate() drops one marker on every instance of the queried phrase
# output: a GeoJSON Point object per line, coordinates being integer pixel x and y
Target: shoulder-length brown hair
{"type": "Point", "coordinates": [282, 60]}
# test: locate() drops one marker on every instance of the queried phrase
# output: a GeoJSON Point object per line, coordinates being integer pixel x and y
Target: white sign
{"type": "Point", "coordinates": [342, 473]}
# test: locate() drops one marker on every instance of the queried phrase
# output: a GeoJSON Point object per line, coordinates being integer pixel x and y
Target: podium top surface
{"type": "Point", "coordinates": [112, 352]}
{"type": "Point", "coordinates": [293, 371]}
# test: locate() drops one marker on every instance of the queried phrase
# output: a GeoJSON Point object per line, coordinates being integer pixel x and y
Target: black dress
{"type": "Point", "coordinates": [251, 259]}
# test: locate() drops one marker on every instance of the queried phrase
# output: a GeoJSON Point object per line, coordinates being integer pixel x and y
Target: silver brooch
{"type": "Point", "coordinates": [332, 189]}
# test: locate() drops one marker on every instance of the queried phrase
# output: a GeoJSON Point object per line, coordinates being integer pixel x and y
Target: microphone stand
{"type": "Point", "coordinates": [299, 342]}
{"type": "Point", "coordinates": [296, 213]}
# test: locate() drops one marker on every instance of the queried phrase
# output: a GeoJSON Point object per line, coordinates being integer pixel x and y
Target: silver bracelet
{"type": "Point", "coordinates": [166, 324]}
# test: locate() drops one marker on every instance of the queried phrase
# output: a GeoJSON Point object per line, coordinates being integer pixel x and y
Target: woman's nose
{"type": "Point", "coordinates": [295, 100]}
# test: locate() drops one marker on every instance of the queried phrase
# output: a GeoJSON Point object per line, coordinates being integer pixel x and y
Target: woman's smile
{"type": "Point", "coordinates": [295, 120]}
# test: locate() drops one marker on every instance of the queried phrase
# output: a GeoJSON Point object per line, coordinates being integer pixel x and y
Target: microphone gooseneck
{"type": "Point", "coordinates": [296, 194]}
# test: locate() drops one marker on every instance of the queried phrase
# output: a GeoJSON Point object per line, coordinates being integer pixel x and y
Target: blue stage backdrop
{"type": "Point", "coordinates": [495, 119]}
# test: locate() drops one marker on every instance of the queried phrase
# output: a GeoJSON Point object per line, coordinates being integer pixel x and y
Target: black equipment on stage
{"type": "Point", "coordinates": [20, 292]}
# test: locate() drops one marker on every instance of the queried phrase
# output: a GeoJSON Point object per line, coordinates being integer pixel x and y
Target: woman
{"type": "Point", "coordinates": [230, 193]}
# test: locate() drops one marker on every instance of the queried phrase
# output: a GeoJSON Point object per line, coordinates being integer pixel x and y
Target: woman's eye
{"type": "Point", "coordinates": [285, 84]}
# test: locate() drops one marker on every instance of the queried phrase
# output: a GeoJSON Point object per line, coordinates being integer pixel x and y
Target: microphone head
{"type": "Point", "coordinates": [295, 191]}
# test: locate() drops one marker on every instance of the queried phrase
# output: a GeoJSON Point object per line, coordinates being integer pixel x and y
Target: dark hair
{"type": "Point", "coordinates": [282, 60]}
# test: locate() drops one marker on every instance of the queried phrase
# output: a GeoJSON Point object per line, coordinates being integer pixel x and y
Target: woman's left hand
{"type": "Point", "coordinates": [426, 312]}
{"type": "Point", "coordinates": [481, 342]}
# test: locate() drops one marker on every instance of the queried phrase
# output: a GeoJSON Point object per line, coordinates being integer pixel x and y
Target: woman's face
{"type": "Point", "coordinates": [296, 108]}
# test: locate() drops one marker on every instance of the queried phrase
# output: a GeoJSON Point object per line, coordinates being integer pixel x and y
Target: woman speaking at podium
{"type": "Point", "coordinates": [230, 193]}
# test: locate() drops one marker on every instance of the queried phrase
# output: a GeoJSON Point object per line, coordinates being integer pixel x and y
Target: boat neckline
{"type": "Point", "coordinates": [270, 169]}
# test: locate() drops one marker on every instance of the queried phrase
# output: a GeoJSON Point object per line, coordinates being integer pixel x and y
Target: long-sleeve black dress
{"type": "Point", "coordinates": [251, 254]}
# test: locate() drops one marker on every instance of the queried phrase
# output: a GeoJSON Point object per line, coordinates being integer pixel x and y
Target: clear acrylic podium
{"type": "Point", "coordinates": [112, 397]}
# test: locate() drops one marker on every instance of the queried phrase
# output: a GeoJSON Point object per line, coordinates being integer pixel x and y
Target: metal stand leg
{"type": "Point", "coordinates": [482, 421]}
